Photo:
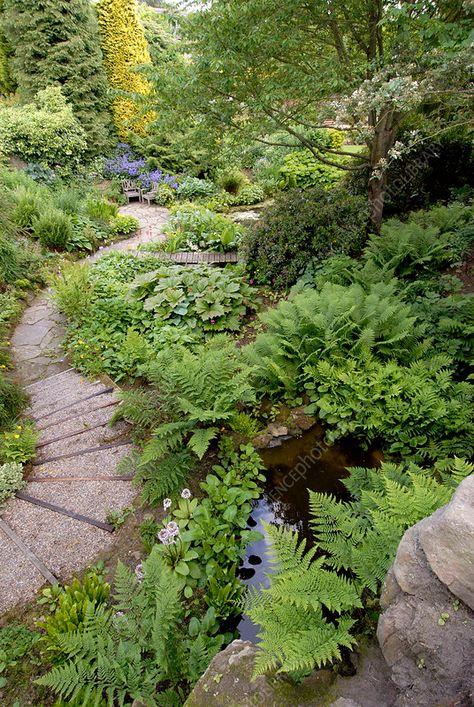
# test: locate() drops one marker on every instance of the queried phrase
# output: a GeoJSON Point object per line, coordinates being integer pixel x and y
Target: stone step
{"type": "Point", "coordinates": [86, 440]}
{"type": "Point", "coordinates": [86, 392]}
{"type": "Point", "coordinates": [97, 463]}
{"type": "Point", "coordinates": [54, 380]}
{"type": "Point", "coordinates": [62, 543]}
{"type": "Point", "coordinates": [78, 411]}
{"type": "Point", "coordinates": [90, 498]}
{"type": "Point", "coordinates": [76, 426]}
{"type": "Point", "coordinates": [76, 386]}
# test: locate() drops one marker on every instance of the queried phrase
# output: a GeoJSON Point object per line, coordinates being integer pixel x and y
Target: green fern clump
{"type": "Point", "coordinates": [200, 391]}
{"type": "Point", "coordinates": [417, 410]}
{"type": "Point", "coordinates": [306, 613]}
{"type": "Point", "coordinates": [139, 649]}
{"type": "Point", "coordinates": [296, 633]}
{"type": "Point", "coordinates": [337, 321]}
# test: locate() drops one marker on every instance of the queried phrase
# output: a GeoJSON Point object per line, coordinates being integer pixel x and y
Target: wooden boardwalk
{"type": "Point", "coordinates": [193, 258]}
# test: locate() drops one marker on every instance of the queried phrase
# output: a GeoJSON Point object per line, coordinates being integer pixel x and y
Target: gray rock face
{"type": "Point", "coordinates": [426, 631]}
{"type": "Point", "coordinates": [447, 539]}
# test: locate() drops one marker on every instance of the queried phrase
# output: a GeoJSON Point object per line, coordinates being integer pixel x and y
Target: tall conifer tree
{"type": "Point", "coordinates": [56, 42]}
{"type": "Point", "coordinates": [125, 48]}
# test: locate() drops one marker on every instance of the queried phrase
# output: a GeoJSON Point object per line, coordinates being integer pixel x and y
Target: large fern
{"type": "Point", "coordinates": [335, 321]}
{"type": "Point", "coordinates": [136, 650]}
{"type": "Point", "coordinates": [199, 391]}
{"type": "Point", "coordinates": [296, 633]}
{"type": "Point", "coordinates": [305, 614]}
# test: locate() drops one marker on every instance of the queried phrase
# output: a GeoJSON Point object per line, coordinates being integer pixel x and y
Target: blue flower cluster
{"type": "Point", "coordinates": [125, 165]}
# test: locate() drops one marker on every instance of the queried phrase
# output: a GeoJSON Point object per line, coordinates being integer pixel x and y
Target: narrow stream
{"type": "Point", "coordinates": [297, 465]}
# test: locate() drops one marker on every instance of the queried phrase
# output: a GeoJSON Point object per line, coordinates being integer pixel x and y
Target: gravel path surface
{"type": "Point", "coordinates": [72, 415]}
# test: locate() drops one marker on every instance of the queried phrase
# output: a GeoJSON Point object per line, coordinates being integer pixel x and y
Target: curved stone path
{"type": "Point", "coordinates": [73, 482]}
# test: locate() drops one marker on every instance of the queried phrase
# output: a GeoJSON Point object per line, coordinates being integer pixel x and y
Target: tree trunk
{"type": "Point", "coordinates": [385, 132]}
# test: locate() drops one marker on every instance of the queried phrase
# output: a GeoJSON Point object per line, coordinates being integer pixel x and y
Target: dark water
{"type": "Point", "coordinates": [298, 465]}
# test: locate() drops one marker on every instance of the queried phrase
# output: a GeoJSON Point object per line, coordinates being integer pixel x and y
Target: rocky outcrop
{"type": "Point", "coordinates": [228, 683]}
{"type": "Point", "coordinates": [426, 630]}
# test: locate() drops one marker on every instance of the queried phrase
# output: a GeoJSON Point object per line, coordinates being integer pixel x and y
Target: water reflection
{"type": "Point", "coordinates": [298, 465]}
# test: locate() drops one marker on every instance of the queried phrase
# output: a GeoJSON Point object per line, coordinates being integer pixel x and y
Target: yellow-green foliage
{"type": "Point", "coordinates": [125, 48]}
{"type": "Point", "coordinates": [336, 138]}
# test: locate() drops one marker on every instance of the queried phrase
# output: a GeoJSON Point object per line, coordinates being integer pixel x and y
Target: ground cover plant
{"type": "Point", "coordinates": [192, 227]}
{"type": "Point", "coordinates": [126, 306]}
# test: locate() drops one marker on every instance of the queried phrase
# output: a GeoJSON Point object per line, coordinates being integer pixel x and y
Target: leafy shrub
{"type": "Point", "coordinates": [76, 601]}
{"type": "Point", "coordinates": [196, 228]}
{"type": "Point", "coordinates": [124, 225]}
{"type": "Point", "coordinates": [124, 164]}
{"type": "Point", "coordinates": [204, 296]}
{"type": "Point", "coordinates": [232, 181]}
{"type": "Point", "coordinates": [19, 444]}
{"type": "Point", "coordinates": [301, 169]}
{"type": "Point", "coordinates": [302, 225]}
{"type": "Point", "coordinates": [417, 411]}
{"type": "Point", "coordinates": [150, 652]}
{"type": "Point", "coordinates": [248, 195]}
{"type": "Point", "coordinates": [44, 131]}
{"type": "Point", "coordinates": [12, 401]}
{"type": "Point", "coordinates": [53, 229]}
{"type": "Point", "coordinates": [200, 391]}
{"type": "Point", "coordinates": [11, 480]}
{"type": "Point", "coordinates": [336, 138]}
{"type": "Point", "coordinates": [99, 209]}
{"type": "Point", "coordinates": [307, 613]}
{"type": "Point", "coordinates": [193, 188]}
{"type": "Point", "coordinates": [165, 195]}
{"type": "Point", "coordinates": [28, 206]}
{"type": "Point", "coordinates": [16, 641]}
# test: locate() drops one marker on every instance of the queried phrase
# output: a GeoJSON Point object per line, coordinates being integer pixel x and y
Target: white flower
{"type": "Point", "coordinates": [167, 503]}
{"type": "Point", "coordinates": [186, 493]}
{"type": "Point", "coordinates": [163, 535]}
{"type": "Point", "coordinates": [172, 528]}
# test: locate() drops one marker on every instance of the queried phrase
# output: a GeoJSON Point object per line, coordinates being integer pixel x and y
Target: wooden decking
{"type": "Point", "coordinates": [192, 258]}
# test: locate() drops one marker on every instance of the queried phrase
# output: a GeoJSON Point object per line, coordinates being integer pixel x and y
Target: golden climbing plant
{"type": "Point", "coordinates": [124, 47]}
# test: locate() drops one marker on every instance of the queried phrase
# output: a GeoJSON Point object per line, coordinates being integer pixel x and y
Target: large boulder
{"type": "Point", "coordinates": [228, 683]}
{"type": "Point", "coordinates": [426, 630]}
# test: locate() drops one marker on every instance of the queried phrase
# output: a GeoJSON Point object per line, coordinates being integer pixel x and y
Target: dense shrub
{"type": "Point", "coordinates": [429, 173]}
{"type": "Point", "coordinates": [302, 225]}
{"type": "Point", "coordinates": [53, 228]}
{"type": "Point", "coordinates": [45, 131]}
{"type": "Point", "coordinates": [12, 401]}
{"type": "Point", "coordinates": [124, 47]}
{"type": "Point", "coordinates": [301, 169]}
{"type": "Point", "coordinates": [193, 188]}
{"type": "Point", "coordinates": [248, 195]}
{"type": "Point", "coordinates": [11, 480]}
{"type": "Point", "coordinates": [197, 228]}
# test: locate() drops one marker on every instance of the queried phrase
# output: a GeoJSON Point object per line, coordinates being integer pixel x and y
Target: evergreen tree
{"type": "Point", "coordinates": [125, 48]}
{"type": "Point", "coordinates": [56, 42]}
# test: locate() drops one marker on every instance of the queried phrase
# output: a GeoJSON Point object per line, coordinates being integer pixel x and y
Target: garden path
{"type": "Point", "coordinates": [73, 480]}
